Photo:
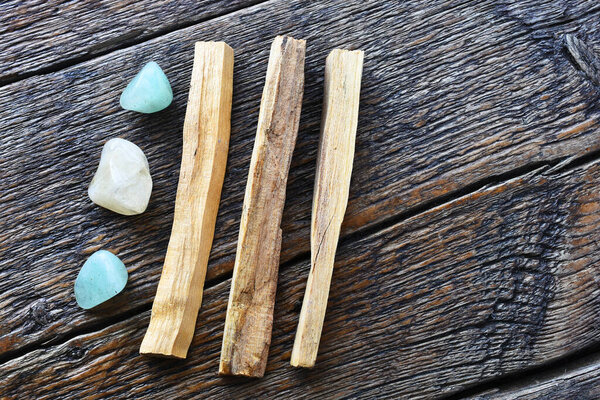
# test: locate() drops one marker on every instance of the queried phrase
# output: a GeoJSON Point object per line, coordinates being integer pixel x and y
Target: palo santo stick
{"type": "Point", "coordinates": [249, 319]}
{"type": "Point", "coordinates": [343, 70]}
{"type": "Point", "coordinates": [204, 157]}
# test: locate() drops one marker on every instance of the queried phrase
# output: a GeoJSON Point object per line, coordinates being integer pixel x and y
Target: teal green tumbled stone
{"type": "Point", "coordinates": [102, 277]}
{"type": "Point", "coordinates": [150, 91]}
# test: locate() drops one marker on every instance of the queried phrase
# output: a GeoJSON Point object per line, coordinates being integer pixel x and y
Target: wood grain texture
{"type": "Point", "coordinates": [40, 35]}
{"type": "Point", "coordinates": [247, 332]}
{"type": "Point", "coordinates": [584, 56]}
{"type": "Point", "coordinates": [343, 71]}
{"type": "Point", "coordinates": [579, 384]}
{"type": "Point", "coordinates": [204, 158]}
{"type": "Point", "coordinates": [453, 93]}
{"type": "Point", "coordinates": [493, 282]}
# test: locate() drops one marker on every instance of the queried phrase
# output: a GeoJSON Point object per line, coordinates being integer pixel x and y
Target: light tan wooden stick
{"type": "Point", "coordinates": [204, 157]}
{"type": "Point", "coordinates": [249, 319]}
{"type": "Point", "coordinates": [343, 70]}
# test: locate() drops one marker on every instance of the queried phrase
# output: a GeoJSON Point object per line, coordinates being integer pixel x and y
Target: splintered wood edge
{"type": "Point", "coordinates": [206, 133]}
{"type": "Point", "coordinates": [249, 318]}
{"type": "Point", "coordinates": [343, 71]}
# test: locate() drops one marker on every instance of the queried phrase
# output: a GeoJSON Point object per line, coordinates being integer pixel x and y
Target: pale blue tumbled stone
{"type": "Point", "coordinates": [102, 277]}
{"type": "Point", "coordinates": [150, 91]}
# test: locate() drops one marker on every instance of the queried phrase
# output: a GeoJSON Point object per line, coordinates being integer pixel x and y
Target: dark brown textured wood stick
{"type": "Point", "coordinates": [249, 321]}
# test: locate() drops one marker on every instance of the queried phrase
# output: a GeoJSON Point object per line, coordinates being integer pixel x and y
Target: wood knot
{"type": "Point", "coordinates": [39, 315]}
{"type": "Point", "coordinates": [74, 353]}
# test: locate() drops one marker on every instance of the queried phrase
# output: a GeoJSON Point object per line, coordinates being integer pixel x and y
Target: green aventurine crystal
{"type": "Point", "coordinates": [102, 277]}
{"type": "Point", "coordinates": [150, 91]}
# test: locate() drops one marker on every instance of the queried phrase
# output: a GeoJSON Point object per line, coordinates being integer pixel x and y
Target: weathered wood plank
{"type": "Point", "coordinates": [499, 280]}
{"type": "Point", "coordinates": [455, 93]}
{"type": "Point", "coordinates": [37, 35]}
{"type": "Point", "coordinates": [582, 383]}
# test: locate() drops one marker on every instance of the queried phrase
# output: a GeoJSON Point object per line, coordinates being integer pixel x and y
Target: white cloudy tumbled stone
{"type": "Point", "coordinates": [122, 182]}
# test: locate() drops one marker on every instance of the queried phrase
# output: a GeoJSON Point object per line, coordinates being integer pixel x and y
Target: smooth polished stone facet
{"type": "Point", "coordinates": [102, 277]}
{"type": "Point", "coordinates": [122, 182]}
{"type": "Point", "coordinates": [150, 91]}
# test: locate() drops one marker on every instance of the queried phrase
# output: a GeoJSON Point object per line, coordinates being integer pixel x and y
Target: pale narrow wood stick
{"type": "Point", "coordinates": [343, 70]}
{"type": "Point", "coordinates": [203, 161]}
{"type": "Point", "coordinates": [249, 319]}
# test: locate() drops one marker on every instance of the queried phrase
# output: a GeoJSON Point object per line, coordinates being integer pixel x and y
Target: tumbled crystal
{"type": "Point", "coordinates": [102, 277]}
{"type": "Point", "coordinates": [148, 92]}
{"type": "Point", "coordinates": [122, 182]}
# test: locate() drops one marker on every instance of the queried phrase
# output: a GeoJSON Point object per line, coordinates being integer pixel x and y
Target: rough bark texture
{"type": "Point", "coordinates": [249, 321]}
{"type": "Point", "coordinates": [498, 280]}
{"type": "Point", "coordinates": [455, 95]}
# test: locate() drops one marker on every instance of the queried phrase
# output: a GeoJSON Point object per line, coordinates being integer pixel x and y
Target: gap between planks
{"type": "Point", "coordinates": [82, 59]}
{"type": "Point", "coordinates": [524, 378]}
{"type": "Point", "coordinates": [551, 167]}
{"type": "Point", "coordinates": [59, 66]}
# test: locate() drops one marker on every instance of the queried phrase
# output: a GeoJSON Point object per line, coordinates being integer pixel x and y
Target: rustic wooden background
{"type": "Point", "coordinates": [469, 260]}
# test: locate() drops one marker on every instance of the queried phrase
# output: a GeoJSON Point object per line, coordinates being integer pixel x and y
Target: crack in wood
{"type": "Point", "coordinates": [503, 386]}
{"type": "Point", "coordinates": [536, 168]}
{"type": "Point", "coordinates": [123, 42]}
{"type": "Point", "coordinates": [423, 127]}
{"type": "Point", "coordinates": [321, 241]}
{"type": "Point", "coordinates": [583, 57]}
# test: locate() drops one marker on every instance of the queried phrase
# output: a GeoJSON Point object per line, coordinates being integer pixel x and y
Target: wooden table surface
{"type": "Point", "coordinates": [469, 262]}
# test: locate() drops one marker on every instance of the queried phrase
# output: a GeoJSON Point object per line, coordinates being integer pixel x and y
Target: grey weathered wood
{"type": "Point", "coordinates": [584, 57]}
{"type": "Point", "coordinates": [493, 282]}
{"type": "Point", "coordinates": [582, 383]}
{"type": "Point", "coordinates": [453, 93]}
{"type": "Point", "coordinates": [38, 35]}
